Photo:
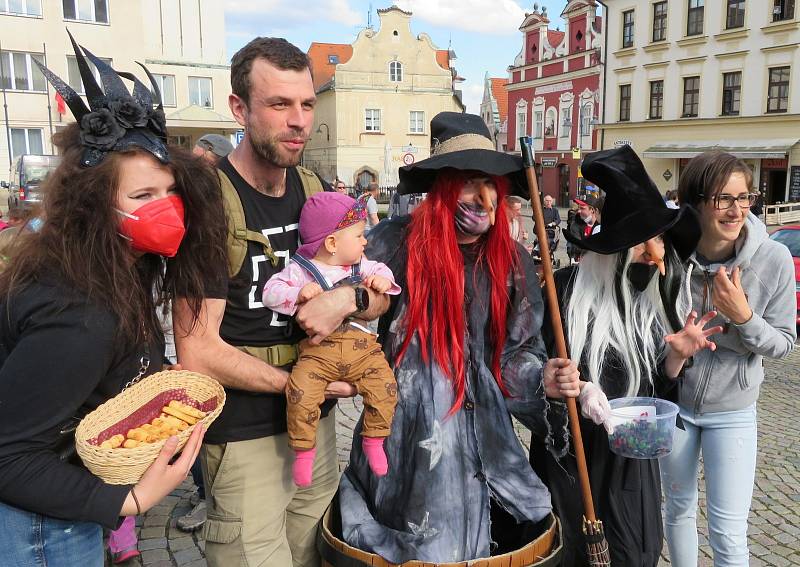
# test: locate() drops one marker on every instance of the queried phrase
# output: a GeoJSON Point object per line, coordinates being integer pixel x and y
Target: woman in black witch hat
{"type": "Point", "coordinates": [464, 341]}
{"type": "Point", "coordinates": [622, 308]}
{"type": "Point", "coordinates": [124, 215]}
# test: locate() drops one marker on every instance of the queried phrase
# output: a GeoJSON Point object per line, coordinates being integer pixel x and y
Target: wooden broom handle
{"type": "Point", "coordinates": [555, 321]}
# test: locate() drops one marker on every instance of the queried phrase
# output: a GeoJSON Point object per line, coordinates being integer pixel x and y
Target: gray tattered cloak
{"type": "Point", "coordinates": [434, 504]}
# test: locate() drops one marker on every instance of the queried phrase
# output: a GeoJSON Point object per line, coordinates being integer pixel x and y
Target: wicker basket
{"type": "Point", "coordinates": [137, 405]}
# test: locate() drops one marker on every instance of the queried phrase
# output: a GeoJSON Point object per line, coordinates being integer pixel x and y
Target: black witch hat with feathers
{"type": "Point", "coordinates": [116, 119]}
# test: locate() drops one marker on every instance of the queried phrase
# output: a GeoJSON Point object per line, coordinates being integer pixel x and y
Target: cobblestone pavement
{"type": "Point", "coordinates": [774, 520]}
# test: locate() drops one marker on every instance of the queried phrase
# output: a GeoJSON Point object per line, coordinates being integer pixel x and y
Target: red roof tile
{"type": "Point", "coordinates": [321, 66]}
{"type": "Point", "coordinates": [443, 58]}
{"type": "Point", "coordinates": [500, 94]}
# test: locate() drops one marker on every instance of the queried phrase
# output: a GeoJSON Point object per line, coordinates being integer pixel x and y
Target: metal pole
{"type": "Point", "coordinates": [603, 60]}
{"type": "Point", "coordinates": [49, 107]}
{"type": "Point", "coordinates": [5, 109]}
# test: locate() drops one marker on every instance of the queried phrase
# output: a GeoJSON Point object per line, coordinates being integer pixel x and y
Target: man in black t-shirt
{"type": "Point", "coordinates": [256, 515]}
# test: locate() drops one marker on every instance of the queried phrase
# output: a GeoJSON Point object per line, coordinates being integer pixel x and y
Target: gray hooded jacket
{"type": "Point", "coordinates": [729, 378]}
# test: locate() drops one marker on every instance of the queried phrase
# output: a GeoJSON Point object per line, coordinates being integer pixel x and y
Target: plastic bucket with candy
{"type": "Point", "coordinates": [643, 427]}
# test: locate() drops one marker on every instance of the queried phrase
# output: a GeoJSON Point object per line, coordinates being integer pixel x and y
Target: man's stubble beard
{"type": "Point", "coordinates": [267, 149]}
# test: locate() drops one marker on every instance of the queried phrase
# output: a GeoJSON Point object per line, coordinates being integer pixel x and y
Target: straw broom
{"type": "Point", "coordinates": [596, 545]}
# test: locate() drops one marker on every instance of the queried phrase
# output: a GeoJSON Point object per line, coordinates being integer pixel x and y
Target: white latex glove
{"type": "Point", "coordinates": [594, 406]}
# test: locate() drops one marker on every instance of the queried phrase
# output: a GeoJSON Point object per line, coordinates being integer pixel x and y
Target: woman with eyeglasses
{"type": "Point", "coordinates": [749, 280]}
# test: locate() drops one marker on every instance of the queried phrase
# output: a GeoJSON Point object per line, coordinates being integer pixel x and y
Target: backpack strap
{"type": "Point", "coordinates": [310, 181]}
{"type": "Point", "coordinates": [238, 233]}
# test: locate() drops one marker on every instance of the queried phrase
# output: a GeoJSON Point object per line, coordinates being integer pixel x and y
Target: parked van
{"type": "Point", "coordinates": [27, 175]}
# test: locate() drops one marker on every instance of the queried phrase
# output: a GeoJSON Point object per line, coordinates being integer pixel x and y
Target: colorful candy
{"type": "Point", "coordinates": [641, 439]}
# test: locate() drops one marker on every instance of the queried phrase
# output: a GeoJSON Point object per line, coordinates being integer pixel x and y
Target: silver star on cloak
{"type": "Point", "coordinates": [423, 529]}
{"type": "Point", "coordinates": [434, 445]}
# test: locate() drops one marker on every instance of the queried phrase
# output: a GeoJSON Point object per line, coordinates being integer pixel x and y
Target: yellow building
{"type": "Point", "coordinates": [376, 99]}
{"type": "Point", "coordinates": [182, 43]}
{"type": "Point", "coordinates": [685, 77]}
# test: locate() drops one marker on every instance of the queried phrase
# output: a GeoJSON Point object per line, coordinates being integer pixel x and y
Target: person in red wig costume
{"type": "Point", "coordinates": [464, 341]}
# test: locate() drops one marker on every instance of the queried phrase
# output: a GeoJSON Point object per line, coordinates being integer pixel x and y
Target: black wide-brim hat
{"type": "Point", "coordinates": [462, 142]}
{"type": "Point", "coordinates": [633, 211]}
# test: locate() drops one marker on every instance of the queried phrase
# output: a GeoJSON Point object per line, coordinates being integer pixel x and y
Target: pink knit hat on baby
{"type": "Point", "coordinates": [325, 213]}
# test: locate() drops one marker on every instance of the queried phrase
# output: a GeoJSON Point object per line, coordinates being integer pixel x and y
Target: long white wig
{"type": "Point", "coordinates": [607, 316]}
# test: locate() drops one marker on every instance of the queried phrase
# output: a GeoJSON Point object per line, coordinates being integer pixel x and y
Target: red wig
{"type": "Point", "coordinates": [435, 280]}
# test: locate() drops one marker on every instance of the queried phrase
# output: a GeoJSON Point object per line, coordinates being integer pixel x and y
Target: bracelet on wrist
{"type": "Point", "coordinates": [136, 501]}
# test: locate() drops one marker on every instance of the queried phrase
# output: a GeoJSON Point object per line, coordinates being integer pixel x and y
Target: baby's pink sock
{"type": "Point", "coordinates": [373, 448]}
{"type": "Point", "coordinates": [303, 467]}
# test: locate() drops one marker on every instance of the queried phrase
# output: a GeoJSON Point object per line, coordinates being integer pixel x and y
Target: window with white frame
{"type": "Point", "coordinates": [74, 73]}
{"type": "Point", "coordinates": [372, 120]}
{"type": "Point", "coordinates": [550, 123]}
{"type": "Point", "coordinates": [566, 121]}
{"type": "Point", "coordinates": [21, 7]}
{"type": "Point", "coordinates": [26, 141]}
{"type": "Point", "coordinates": [538, 124]}
{"type": "Point", "coordinates": [200, 91]}
{"type": "Point", "coordinates": [522, 119]}
{"type": "Point", "coordinates": [20, 73]}
{"type": "Point", "coordinates": [624, 103]}
{"type": "Point", "coordinates": [86, 10]}
{"type": "Point", "coordinates": [660, 21]}
{"type": "Point", "coordinates": [627, 28]}
{"type": "Point", "coordinates": [587, 110]}
{"type": "Point", "coordinates": [735, 14]}
{"type": "Point", "coordinates": [782, 10]}
{"type": "Point", "coordinates": [778, 90]}
{"type": "Point", "coordinates": [396, 72]}
{"type": "Point", "coordinates": [694, 17]}
{"type": "Point", "coordinates": [416, 122]}
{"type": "Point", "coordinates": [166, 84]}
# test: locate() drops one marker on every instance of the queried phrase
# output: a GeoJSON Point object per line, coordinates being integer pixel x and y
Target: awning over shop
{"type": "Point", "coordinates": [760, 149]}
{"type": "Point", "coordinates": [194, 116]}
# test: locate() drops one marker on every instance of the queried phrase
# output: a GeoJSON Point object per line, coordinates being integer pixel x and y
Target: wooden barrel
{"type": "Point", "coordinates": [544, 551]}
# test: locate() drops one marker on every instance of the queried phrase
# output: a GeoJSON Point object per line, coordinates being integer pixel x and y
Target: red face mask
{"type": "Point", "coordinates": [156, 227]}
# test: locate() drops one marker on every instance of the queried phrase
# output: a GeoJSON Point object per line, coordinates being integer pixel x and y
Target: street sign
{"type": "Point", "coordinates": [620, 143]}
{"type": "Point", "coordinates": [239, 136]}
{"type": "Point", "coordinates": [409, 149]}
{"type": "Point", "coordinates": [549, 162]}
{"type": "Point", "coordinates": [667, 175]}
{"type": "Point", "coordinates": [408, 158]}
{"type": "Point", "coordinates": [576, 153]}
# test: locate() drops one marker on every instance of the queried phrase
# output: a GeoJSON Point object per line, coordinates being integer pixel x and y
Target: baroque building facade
{"type": "Point", "coordinates": [375, 101]}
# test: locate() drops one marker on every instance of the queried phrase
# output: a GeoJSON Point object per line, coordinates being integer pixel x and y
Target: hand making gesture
{"type": "Point", "coordinates": [729, 298]}
{"type": "Point", "coordinates": [689, 341]}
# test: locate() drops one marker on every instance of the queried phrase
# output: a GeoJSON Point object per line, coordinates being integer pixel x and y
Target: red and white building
{"type": "Point", "coordinates": [554, 95]}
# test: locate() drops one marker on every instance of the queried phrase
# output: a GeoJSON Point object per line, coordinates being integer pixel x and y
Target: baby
{"type": "Point", "coordinates": [332, 232]}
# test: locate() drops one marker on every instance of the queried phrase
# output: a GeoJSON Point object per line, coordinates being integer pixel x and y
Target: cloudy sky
{"type": "Point", "coordinates": [484, 33]}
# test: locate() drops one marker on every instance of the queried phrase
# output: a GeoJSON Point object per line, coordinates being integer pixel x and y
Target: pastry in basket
{"type": "Point", "coordinates": [175, 417]}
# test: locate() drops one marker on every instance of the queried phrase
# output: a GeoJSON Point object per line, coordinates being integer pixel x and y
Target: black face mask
{"type": "Point", "coordinates": [639, 275]}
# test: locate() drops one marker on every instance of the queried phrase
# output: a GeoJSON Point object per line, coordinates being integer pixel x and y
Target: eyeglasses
{"type": "Point", "coordinates": [725, 202]}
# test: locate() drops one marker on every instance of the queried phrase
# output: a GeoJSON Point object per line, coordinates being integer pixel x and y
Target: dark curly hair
{"type": "Point", "coordinates": [79, 244]}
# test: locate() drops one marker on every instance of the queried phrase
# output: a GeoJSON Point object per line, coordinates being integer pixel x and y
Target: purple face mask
{"type": "Point", "coordinates": [471, 219]}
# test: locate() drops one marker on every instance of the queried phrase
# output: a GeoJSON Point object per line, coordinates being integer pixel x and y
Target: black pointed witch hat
{"type": "Point", "coordinates": [115, 119]}
{"type": "Point", "coordinates": [633, 211]}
